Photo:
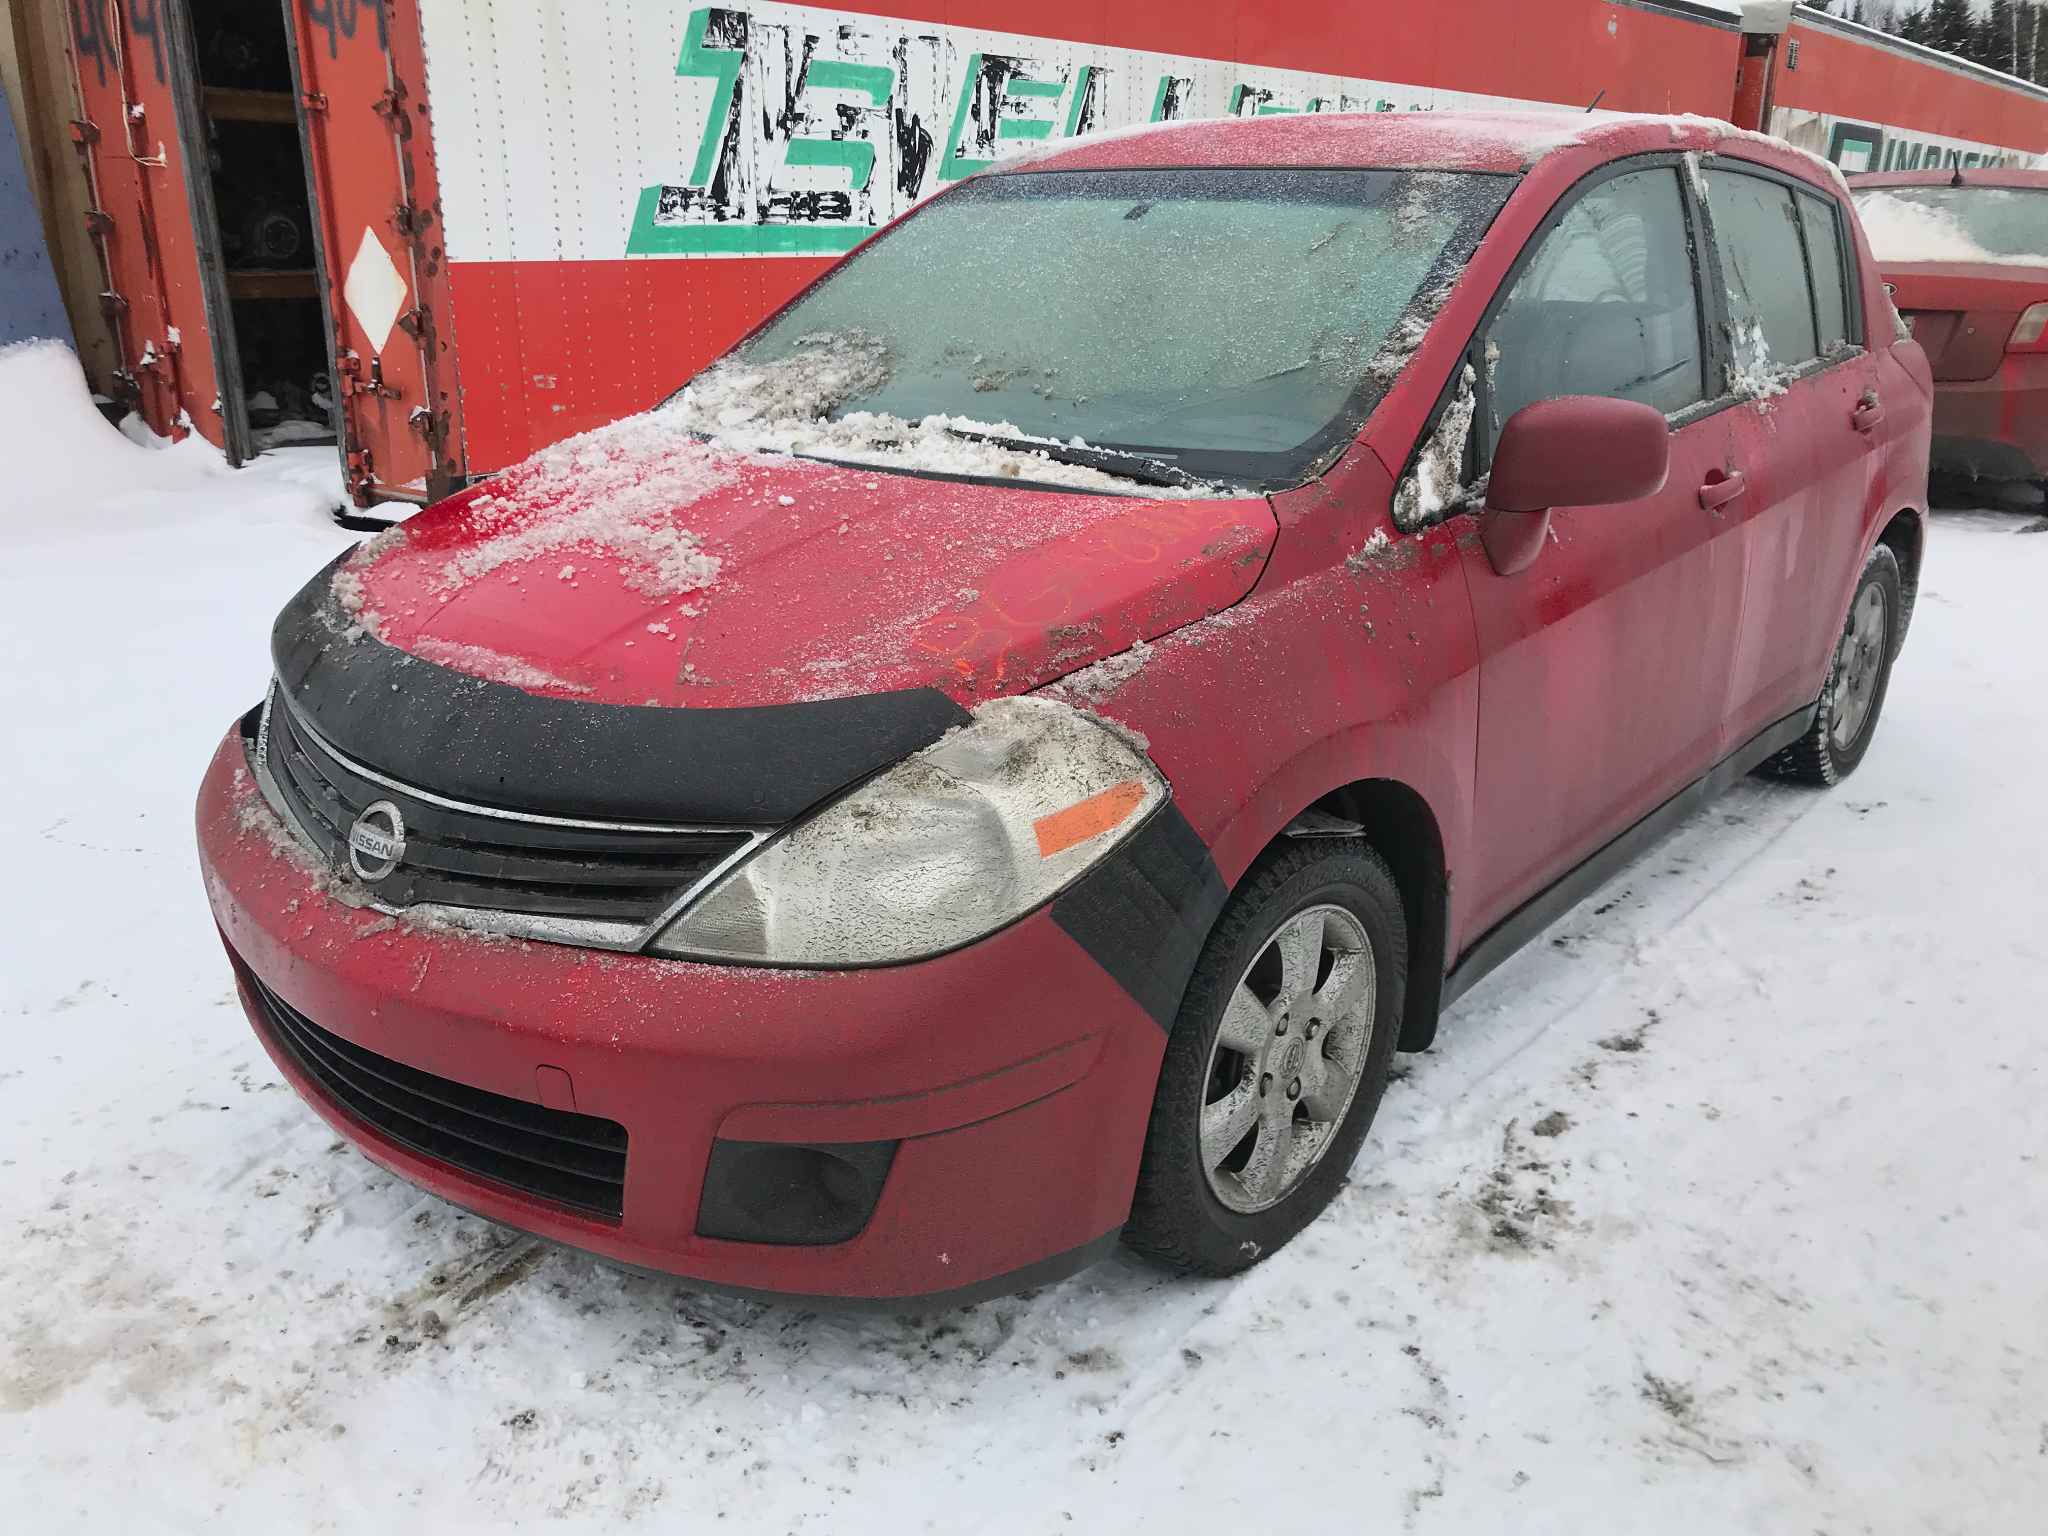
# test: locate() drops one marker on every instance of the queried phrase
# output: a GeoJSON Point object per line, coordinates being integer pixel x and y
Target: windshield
{"type": "Point", "coordinates": [1227, 324]}
{"type": "Point", "coordinates": [1956, 223]}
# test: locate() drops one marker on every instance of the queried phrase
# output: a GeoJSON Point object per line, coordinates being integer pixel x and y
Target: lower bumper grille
{"type": "Point", "coordinates": [573, 1160]}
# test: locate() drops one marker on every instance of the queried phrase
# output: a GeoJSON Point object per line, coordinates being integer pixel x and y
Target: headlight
{"type": "Point", "coordinates": [949, 845]}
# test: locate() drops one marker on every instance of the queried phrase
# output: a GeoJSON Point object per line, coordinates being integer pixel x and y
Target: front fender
{"type": "Point", "coordinates": [1357, 670]}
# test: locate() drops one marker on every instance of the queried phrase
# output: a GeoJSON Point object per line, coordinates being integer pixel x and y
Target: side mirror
{"type": "Point", "coordinates": [1574, 451]}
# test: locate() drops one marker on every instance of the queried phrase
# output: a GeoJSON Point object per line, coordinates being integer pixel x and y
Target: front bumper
{"type": "Point", "coordinates": [1015, 1076]}
{"type": "Point", "coordinates": [1995, 428]}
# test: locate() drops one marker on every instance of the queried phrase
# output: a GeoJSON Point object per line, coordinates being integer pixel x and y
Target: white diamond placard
{"type": "Point", "coordinates": [374, 290]}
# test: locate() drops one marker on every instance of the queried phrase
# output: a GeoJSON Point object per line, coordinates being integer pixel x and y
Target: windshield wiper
{"type": "Point", "coordinates": [1140, 467]}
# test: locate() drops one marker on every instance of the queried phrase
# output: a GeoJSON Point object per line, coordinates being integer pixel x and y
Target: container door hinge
{"type": "Point", "coordinates": [353, 381]}
{"type": "Point", "coordinates": [98, 223]}
{"type": "Point", "coordinates": [417, 323]}
{"type": "Point", "coordinates": [83, 133]}
{"type": "Point", "coordinates": [313, 101]}
{"type": "Point", "coordinates": [430, 426]}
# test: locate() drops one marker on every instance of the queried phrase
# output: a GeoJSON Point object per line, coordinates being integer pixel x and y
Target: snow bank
{"type": "Point", "coordinates": [60, 453]}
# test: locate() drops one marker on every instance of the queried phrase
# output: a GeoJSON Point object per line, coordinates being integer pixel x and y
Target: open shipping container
{"type": "Point", "coordinates": [446, 233]}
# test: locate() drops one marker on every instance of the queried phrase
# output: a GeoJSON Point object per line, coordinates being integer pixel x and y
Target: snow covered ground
{"type": "Point", "coordinates": [1722, 1208]}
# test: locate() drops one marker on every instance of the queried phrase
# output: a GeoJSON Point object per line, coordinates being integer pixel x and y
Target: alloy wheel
{"type": "Point", "coordinates": [1859, 664]}
{"type": "Point", "coordinates": [1288, 1057]}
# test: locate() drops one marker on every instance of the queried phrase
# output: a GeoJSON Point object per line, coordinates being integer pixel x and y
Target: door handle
{"type": "Point", "coordinates": [1721, 489]}
{"type": "Point", "coordinates": [1867, 416]}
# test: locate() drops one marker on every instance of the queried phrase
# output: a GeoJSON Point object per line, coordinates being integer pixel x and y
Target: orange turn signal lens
{"type": "Point", "coordinates": [1087, 818]}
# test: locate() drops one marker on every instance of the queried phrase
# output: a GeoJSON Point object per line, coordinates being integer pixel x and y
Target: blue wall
{"type": "Point", "coordinates": [29, 305]}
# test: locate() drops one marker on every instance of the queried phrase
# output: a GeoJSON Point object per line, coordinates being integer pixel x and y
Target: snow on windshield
{"type": "Point", "coordinates": [1965, 224]}
{"type": "Point", "coordinates": [786, 405]}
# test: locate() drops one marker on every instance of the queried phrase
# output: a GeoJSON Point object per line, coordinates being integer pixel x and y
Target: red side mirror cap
{"type": "Point", "coordinates": [1579, 451]}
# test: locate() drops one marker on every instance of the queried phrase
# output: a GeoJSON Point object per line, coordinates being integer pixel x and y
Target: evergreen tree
{"type": "Point", "coordinates": [1951, 27]}
{"type": "Point", "coordinates": [2001, 36]}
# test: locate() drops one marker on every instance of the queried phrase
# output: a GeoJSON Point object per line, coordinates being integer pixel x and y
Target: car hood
{"type": "Point", "coordinates": [666, 572]}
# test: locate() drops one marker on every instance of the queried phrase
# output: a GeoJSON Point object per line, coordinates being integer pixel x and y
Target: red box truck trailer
{"type": "Point", "coordinates": [449, 233]}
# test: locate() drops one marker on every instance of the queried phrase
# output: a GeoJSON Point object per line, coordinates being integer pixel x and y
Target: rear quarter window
{"type": "Point", "coordinates": [1824, 250]}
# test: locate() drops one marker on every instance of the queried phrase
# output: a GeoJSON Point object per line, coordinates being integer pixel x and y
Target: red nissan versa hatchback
{"type": "Point", "coordinates": [1005, 758]}
{"type": "Point", "coordinates": [1966, 254]}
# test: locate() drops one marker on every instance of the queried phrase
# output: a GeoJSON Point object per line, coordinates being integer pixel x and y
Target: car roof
{"type": "Point", "coordinates": [1982, 176]}
{"type": "Point", "coordinates": [1499, 142]}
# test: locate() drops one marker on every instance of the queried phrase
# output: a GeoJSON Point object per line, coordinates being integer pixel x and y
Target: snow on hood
{"type": "Point", "coordinates": [641, 565]}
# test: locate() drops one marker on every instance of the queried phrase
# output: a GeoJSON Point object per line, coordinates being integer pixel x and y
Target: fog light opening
{"type": "Point", "coordinates": [790, 1193]}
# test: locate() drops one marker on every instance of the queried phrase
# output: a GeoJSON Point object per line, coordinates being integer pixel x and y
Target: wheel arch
{"type": "Point", "coordinates": [1397, 821]}
{"type": "Point", "coordinates": [1906, 537]}
{"type": "Point", "coordinates": [1402, 826]}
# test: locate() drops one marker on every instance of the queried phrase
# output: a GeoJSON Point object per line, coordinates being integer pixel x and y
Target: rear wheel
{"type": "Point", "coordinates": [1858, 677]}
{"type": "Point", "coordinates": [1277, 1061]}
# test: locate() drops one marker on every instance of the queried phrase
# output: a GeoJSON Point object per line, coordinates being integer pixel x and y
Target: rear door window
{"type": "Point", "coordinates": [1824, 255]}
{"type": "Point", "coordinates": [1608, 306]}
{"type": "Point", "coordinates": [1763, 263]}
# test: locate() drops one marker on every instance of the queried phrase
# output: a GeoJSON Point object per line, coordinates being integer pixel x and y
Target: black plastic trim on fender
{"type": "Point", "coordinates": [1508, 935]}
{"type": "Point", "coordinates": [493, 744]}
{"type": "Point", "coordinates": [1144, 912]}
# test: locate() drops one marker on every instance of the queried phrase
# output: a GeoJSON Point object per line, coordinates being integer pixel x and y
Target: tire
{"type": "Point", "coordinates": [1859, 675]}
{"type": "Point", "coordinates": [1217, 1220]}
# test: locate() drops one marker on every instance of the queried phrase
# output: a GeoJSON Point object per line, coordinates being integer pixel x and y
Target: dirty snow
{"type": "Point", "coordinates": [1432, 486]}
{"type": "Point", "coordinates": [1099, 680]}
{"type": "Point", "coordinates": [1371, 552]}
{"type": "Point", "coordinates": [1751, 373]}
{"type": "Point", "coordinates": [1719, 1209]}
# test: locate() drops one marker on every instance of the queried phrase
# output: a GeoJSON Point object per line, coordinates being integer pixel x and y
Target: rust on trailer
{"type": "Point", "coordinates": [131, 138]}
{"type": "Point", "coordinates": [360, 89]}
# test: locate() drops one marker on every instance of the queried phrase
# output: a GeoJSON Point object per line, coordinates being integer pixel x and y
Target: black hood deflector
{"type": "Point", "coordinates": [491, 744]}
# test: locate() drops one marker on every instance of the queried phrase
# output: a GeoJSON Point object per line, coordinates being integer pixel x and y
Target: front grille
{"type": "Point", "coordinates": [464, 858]}
{"type": "Point", "coordinates": [571, 1159]}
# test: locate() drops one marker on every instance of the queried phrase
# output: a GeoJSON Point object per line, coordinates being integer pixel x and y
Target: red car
{"type": "Point", "coordinates": [1966, 254]}
{"type": "Point", "coordinates": [1005, 759]}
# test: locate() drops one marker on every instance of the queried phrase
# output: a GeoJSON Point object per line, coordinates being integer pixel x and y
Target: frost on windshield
{"type": "Point", "coordinates": [787, 405]}
{"type": "Point", "coordinates": [1432, 487]}
{"type": "Point", "coordinates": [1218, 330]}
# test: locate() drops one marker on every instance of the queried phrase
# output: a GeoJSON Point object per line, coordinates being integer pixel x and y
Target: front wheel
{"type": "Point", "coordinates": [1277, 1060]}
{"type": "Point", "coordinates": [1858, 676]}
